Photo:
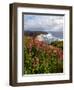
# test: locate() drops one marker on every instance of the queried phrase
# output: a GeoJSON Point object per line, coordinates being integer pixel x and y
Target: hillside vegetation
{"type": "Point", "coordinates": [58, 44]}
{"type": "Point", "coordinates": [39, 57]}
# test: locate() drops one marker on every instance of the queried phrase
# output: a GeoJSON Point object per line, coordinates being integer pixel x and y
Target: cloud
{"type": "Point", "coordinates": [44, 23]}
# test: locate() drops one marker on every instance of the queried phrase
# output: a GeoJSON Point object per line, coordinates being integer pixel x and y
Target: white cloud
{"type": "Point", "coordinates": [39, 22]}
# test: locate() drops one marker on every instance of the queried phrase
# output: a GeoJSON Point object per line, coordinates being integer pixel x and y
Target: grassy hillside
{"type": "Point", "coordinates": [40, 57]}
{"type": "Point", "coordinates": [58, 44]}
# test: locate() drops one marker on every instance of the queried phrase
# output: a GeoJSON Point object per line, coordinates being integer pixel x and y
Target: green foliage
{"type": "Point", "coordinates": [58, 44]}
{"type": "Point", "coordinates": [42, 58]}
{"type": "Point", "coordinates": [37, 61]}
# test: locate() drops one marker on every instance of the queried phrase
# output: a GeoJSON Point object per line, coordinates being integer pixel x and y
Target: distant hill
{"type": "Point", "coordinates": [34, 33]}
{"type": "Point", "coordinates": [48, 38]}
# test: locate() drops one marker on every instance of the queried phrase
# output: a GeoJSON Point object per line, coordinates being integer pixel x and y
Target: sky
{"type": "Point", "coordinates": [43, 23]}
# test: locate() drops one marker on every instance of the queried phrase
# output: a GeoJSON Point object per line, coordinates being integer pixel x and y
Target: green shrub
{"type": "Point", "coordinates": [45, 63]}
{"type": "Point", "coordinates": [58, 44]}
